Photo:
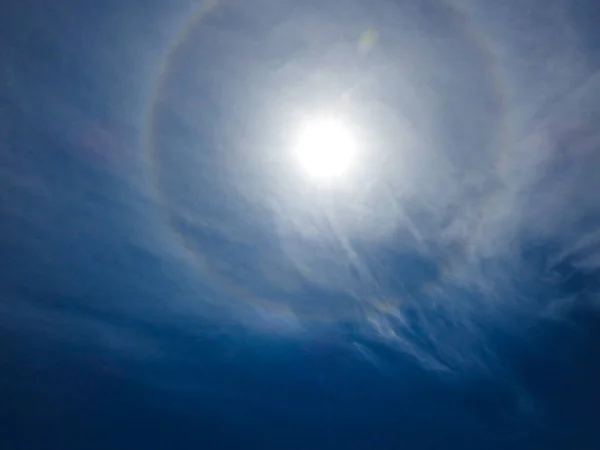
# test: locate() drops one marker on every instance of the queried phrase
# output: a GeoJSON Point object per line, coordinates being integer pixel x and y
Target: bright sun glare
{"type": "Point", "coordinates": [325, 147]}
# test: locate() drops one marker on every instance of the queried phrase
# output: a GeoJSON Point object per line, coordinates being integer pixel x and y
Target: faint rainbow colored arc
{"type": "Point", "coordinates": [472, 32]}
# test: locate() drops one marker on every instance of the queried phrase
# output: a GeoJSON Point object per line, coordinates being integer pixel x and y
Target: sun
{"type": "Point", "coordinates": [325, 147]}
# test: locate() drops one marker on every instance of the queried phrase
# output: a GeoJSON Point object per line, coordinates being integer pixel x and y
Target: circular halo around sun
{"type": "Point", "coordinates": [325, 147]}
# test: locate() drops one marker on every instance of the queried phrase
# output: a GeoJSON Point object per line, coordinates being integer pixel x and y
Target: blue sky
{"type": "Point", "coordinates": [170, 278]}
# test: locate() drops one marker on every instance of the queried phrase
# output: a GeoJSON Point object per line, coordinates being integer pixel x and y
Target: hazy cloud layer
{"type": "Point", "coordinates": [474, 220]}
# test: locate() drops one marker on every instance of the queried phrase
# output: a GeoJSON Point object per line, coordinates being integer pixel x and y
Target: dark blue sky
{"type": "Point", "coordinates": [169, 279]}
